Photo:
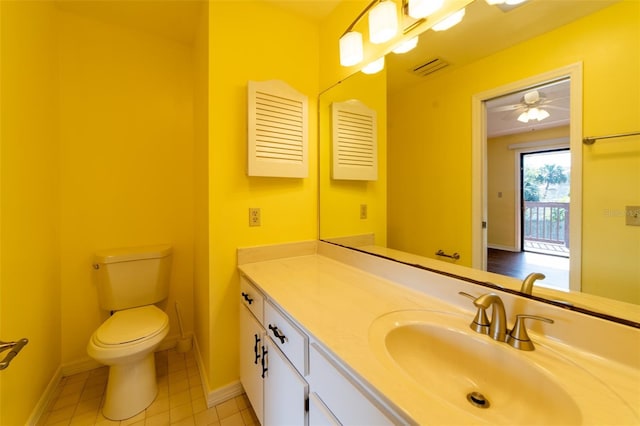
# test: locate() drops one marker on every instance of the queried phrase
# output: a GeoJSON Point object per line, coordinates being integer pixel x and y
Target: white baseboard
{"type": "Point", "coordinates": [219, 395]}
{"type": "Point", "coordinates": [224, 393]}
{"type": "Point", "coordinates": [46, 398]}
{"type": "Point", "coordinates": [501, 247]}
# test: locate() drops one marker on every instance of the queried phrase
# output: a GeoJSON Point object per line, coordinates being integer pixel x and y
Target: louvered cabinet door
{"type": "Point", "coordinates": [252, 341]}
{"type": "Point", "coordinates": [277, 130]}
{"type": "Point", "coordinates": [354, 142]}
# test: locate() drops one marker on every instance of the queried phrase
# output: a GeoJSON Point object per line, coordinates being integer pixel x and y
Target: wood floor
{"type": "Point", "coordinates": [521, 264]}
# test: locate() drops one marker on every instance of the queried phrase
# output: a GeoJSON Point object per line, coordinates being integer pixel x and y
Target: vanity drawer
{"type": "Point", "coordinates": [252, 298]}
{"type": "Point", "coordinates": [289, 338]}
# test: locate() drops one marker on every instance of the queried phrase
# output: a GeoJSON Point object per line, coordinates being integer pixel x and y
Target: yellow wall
{"type": "Point", "coordinates": [437, 148]}
{"type": "Point", "coordinates": [501, 175]}
{"type": "Point", "coordinates": [127, 160]}
{"type": "Point", "coordinates": [29, 262]}
{"type": "Point", "coordinates": [280, 46]}
{"type": "Point", "coordinates": [340, 200]}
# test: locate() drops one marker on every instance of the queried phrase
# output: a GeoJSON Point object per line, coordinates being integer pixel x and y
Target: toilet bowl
{"type": "Point", "coordinates": [126, 342]}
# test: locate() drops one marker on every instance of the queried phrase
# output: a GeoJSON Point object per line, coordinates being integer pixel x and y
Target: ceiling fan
{"type": "Point", "coordinates": [533, 105]}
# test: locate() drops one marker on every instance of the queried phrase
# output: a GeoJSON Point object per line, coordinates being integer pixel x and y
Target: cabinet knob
{"type": "Point", "coordinates": [246, 297]}
{"type": "Point", "coordinates": [277, 334]}
{"type": "Point", "coordinates": [255, 349]}
{"type": "Point", "coordinates": [262, 361]}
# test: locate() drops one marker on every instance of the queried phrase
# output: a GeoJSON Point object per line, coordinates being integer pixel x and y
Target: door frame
{"type": "Point", "coordinates": [479, 164]}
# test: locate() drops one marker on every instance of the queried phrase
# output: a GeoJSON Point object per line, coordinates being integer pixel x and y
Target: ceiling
{"type": "Point", "coordinates": [486, 30]}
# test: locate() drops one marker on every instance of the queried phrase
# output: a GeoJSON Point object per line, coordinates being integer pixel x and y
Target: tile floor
{"type": "Point", "coordinates": [180, 401]}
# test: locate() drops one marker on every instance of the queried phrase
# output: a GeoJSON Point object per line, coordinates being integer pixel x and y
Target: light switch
{"type": "Point", "coordinates": [632, 215]}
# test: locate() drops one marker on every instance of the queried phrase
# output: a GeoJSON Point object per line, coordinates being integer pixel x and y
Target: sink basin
{"type": "Point", "coordinates": [491, 381]}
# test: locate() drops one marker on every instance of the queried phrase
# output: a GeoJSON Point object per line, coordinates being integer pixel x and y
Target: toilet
{"type": "Point", "coordinates": [129, 282]}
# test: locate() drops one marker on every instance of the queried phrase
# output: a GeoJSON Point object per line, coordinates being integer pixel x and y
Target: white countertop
{"type": "Point", "coordinates": [336, 304]}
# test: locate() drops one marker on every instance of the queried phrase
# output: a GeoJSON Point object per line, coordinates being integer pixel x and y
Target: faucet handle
{"type": "Point", "coordinates": [518, 337]}
{"type": "Point", "coordinates": [480, 323]}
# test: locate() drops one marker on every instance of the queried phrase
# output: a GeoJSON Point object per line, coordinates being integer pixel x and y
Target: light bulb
{"type": "Point", "coordinates": [383, 22]}
{"type": "Point", "coordinates": [374, 67]}
{"type": "Point", "coordinates": [422, 8]}
{"type": "Point", "coordinates": [448, 22]}
{"type": "Point", "coordinates": [524, 117]}
{"type": "Point", "coordinates": [351, 50]}
{"type": "Point", "coordinates": [406, 45]}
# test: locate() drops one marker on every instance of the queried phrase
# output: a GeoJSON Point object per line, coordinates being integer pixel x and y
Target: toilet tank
{"type": "Point", "coordinates": [131, 277]}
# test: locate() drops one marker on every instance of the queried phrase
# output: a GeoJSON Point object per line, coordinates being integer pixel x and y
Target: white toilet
{"type": "Point", "coordinates": [130, 281]}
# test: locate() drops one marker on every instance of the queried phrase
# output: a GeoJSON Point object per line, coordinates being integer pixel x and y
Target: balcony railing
{"type": "Point", "coordinates": [546, 222]}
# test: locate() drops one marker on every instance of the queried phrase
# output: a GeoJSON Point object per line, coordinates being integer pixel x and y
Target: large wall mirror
{"type": "Point", "coordinates": [460, 175]}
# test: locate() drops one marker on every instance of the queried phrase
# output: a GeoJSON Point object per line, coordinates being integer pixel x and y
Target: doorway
{"type": "Point", "coordinates": [543, 226]}
{"type": "Point", "coordinates": [483, 197]}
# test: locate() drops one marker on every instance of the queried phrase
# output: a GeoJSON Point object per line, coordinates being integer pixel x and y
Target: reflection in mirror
{"type": "Point", "coordinates": [424, 198]}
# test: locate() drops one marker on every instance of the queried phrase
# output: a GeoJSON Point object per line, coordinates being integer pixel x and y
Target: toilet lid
{"type": "Point", "coordinates": [130, 325]}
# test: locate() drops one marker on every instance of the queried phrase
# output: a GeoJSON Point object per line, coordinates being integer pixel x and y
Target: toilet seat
{"type": "Point", "coordinates": [130, 326]}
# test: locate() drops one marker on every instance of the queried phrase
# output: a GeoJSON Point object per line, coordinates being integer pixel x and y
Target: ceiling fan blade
{"type": "Point", "coordinates": [549, 106]}
{"type": "Point", "coordinates": [506, 108]}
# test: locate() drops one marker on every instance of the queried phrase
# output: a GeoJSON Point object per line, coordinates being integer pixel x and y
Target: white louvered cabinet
{"type": "Point", "coordinates": [278, 130]}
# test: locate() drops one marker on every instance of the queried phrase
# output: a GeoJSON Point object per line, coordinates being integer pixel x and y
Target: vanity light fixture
{"type": "Point", "coordinates": [374, 67]}
{"type": "Point", "coordinates": [406, 46]}
{"type": "Point", "coordinates": [451, 20]}
{"type": "Point", "coordinates": [533, 114]}
{"type": "Point", "coordinates": [383, 22]}
{"type": "Point", "coordinates": [422, 8]}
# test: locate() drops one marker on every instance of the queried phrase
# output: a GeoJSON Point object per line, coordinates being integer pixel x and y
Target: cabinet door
{"type": "Point", "coordinates": [319, 414]}
{"type": "Point", "coordinates": [252, 340]}
{"type": "Point", "coordinates": [340, 392]}
{"type": "Point", "coordinates": [285, 391]}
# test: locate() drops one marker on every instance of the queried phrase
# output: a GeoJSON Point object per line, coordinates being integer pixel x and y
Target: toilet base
{"type": "Point", "coordinates": [131, 388]}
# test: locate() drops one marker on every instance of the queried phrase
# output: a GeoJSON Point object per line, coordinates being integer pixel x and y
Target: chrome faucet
{"type": "Point", "coordinates": [498, 327]}
{"type": "Point", "coordinates": [527, 284]}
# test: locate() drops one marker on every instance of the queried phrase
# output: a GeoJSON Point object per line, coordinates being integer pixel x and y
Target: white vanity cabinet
{"type": "Point", "coordinates": [302, 383]}
{"type": "Point", "coordinates": [276, 389]}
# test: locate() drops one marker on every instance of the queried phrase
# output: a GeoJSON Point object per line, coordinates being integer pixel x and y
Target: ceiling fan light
{"type": "Point", "coordinates": [542, 114]}
{"type": "Point", "coordinates": [450, 21]}
{"type": "Point", "coordinates": [383, 22]}
{"type": "Point", "coordinates": [374, 67]}
{"type": "Point", "coordinates": [406, 45]}
{"type": "Point", "coordinates": [351, 50]}
{"type": "Point", "coordinates": [513, 2]}
{"type": "Point", "coordinates": [422, 8]}
{"type": "Point", "coordinates": [524, 117]}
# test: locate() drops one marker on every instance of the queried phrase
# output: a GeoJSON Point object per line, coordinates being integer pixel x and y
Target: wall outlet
{"type": "Point", "coordinates": [363, 211]}
{"type": "Point", "coordinates": [254, 216]}
{"type": "Point", "coordinates": [632, 215]}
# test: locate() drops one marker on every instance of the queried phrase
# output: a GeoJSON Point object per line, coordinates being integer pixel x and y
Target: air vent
{"type": "Point", "coordinates": [429, 67]}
